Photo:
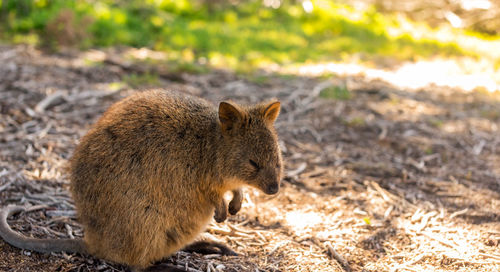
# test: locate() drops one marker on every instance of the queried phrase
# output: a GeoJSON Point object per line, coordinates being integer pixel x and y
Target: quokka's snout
{"type": "Point", "coordinates": [271, 181]}
{"type": "Point", "coordinates": [272, 188]}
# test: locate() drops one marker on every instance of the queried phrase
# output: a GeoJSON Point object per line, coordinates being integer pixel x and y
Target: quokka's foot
{"type": "Point", "coordinates": [163, 268]}
{"type": "Point", "coordinates": [210, 247]}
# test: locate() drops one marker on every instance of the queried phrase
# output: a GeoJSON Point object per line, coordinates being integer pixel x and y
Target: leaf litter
{"type": "Point", "coordinates": [387, 180]}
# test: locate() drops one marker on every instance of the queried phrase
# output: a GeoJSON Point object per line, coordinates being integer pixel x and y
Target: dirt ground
{"type": "Point", "coordinates": [387, 180]}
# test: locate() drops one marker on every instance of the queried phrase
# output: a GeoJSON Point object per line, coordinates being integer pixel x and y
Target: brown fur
{"type": "Point", "coordinates": [147, 177]}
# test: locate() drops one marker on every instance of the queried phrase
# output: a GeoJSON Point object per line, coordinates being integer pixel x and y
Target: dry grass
{"type": "Point", "coordinates": [391, 179]}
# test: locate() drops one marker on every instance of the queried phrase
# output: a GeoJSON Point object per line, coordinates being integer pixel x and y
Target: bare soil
{"type": "Point", "coordinates": [387, 180]}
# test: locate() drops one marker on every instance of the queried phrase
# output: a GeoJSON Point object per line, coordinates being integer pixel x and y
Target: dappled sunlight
{"type": "Point", "coordinates": [301, 221]}
{"type": "Point", "coordinates": [281, 32]}
{"type": "Point", "coordinates": [465, 125]}
{"type": "Point", "coordinates": [94, 56]}
{"type": "Point", "coordinates": [454, 126]}
{"type": "Point", "coordinates": [415, 75]}
{"type": "Point", "coordinates": [406, 109]}
{"type": "Point", "coordinates": [443, 238]}
{"type": "Point", "coordinates": [389, 128]}
{"type": "Point", "coordinates": [487, 48]}
{"type": "Point", "coordinates": [390, 179]}
{"type": "Point", "coordinates": [145, 53]}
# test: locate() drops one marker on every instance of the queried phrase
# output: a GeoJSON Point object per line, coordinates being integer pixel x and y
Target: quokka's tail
{"type": "Point", "coordinates": [39, 245]}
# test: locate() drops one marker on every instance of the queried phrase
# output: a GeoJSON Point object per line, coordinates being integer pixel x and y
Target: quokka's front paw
{"type": "Point", "coordinates": [220, 212]}
{"type": "Point", "coordinates": [235, 204]}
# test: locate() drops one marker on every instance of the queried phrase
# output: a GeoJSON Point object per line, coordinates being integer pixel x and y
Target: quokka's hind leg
{"type": "Point", "coordinates": [207, 244]}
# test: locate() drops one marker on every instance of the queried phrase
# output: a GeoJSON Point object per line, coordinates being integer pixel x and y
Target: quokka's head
{"type": "Point", "coordinates": [253, 155]}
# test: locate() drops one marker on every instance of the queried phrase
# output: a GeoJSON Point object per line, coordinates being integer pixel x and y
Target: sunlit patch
{"type": "Point", "coordinates": [414, 75]}
{"type": "Point", "coordinates": [406, 109]}
{"type": "Point", "coordinates": [145, 53]}
{"type": "Point", "coordinates": [272, 3]}
{"type": "Point", "coordinates": [452, 242]}
{"type": "Point", "coordinates": [308, 6]}
{"type": "Point", "coordinates": [463, 125]}
{"type": "Point", "coordinates": [94, 55]}
{"type": "Point", "coordinates": [301, 221]}
{"type": "Point", "coordinates": [44, 174]}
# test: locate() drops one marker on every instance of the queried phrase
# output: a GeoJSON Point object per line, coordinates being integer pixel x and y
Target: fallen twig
{"type": "Point", "coordinates": [230, 232]}
{"type": "Point", "coordinates": [50, 100]}
{"type": "Point", "coordinates": [457, 213]}
{"type": "Point", "coordinates": [382, 192]}
{"type": "Point", "coordinates": [3, 187]}
{"type": "Point", "coordinates": [298, 170]}
{"type": "Point", "coordinates": [276, 247]}
{"type": "Point", "coordinates": [454, 246]}
{"type": "Point", "coordinates": [335, 255]}
{"type": "Point", "coordinates": [489, 256]}
{"type": "Point", "coordinates": [187, 268]}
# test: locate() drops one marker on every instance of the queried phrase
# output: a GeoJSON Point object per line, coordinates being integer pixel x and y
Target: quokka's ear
{"type": "Point", "coordinates": [272, 111]}
{"type": "Point", "coordinates": [229, 115]}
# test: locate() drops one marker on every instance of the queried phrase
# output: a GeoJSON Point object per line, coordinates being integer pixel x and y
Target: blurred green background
{"type": "Point", "coordinates": [240, 35]}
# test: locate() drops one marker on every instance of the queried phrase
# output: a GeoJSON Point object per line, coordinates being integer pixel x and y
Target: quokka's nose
{"type": "Point", "coordinates": [272, 188]}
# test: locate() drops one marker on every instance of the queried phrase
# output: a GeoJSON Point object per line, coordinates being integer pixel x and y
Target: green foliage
{"type": "Point", "coordinates": [257, 78]}
{"type": "Point", "coordinates": [355, 122]}
{"type": "Point", "coordinates": [187, 67]}
{"type": "Point", "coordinates": [241, 37]}
{"type": "Point", "coordinates": [436, 122]}
{"type": "Point", "coordinates": [336, 92]}
{"type": "Point", "coordinates": [141, 80]}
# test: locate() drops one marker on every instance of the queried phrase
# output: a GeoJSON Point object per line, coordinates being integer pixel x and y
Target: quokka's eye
{"type": "Point", "coordinates": [278, 165]}
{"type": "Point", "coordinates": [254, 164]}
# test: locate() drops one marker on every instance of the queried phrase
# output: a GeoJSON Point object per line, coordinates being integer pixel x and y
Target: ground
{"type": "Point", "coordinates": [378, 177]}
